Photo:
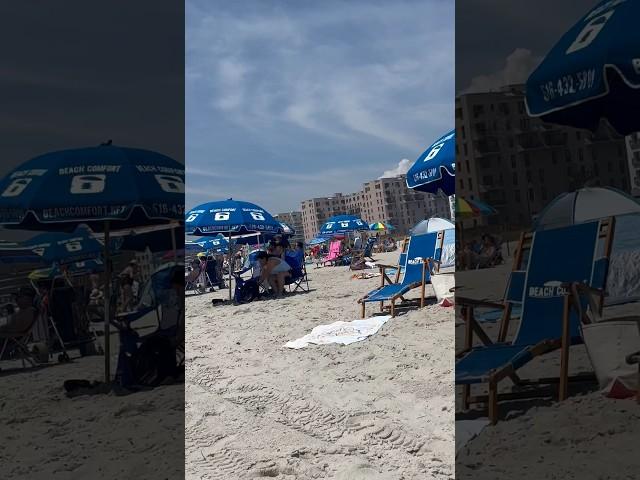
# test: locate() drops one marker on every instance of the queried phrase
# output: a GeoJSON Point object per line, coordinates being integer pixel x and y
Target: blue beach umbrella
{"type": "Point", "coordinates": [319, 240]}
{"type": "Point", "coordinates": [435, 169]}
{"type": "Point", "coordinates": [287, 229]}
{"type": "Point", "coordinates": [125, 186]}
{"type": "Point", "coordinates": [106, 187]}
{"type": "Point", "coordinates": [64, 248]}
{"type": "Point", "coordinates": [216, 244]}
{"type": "Point", "coordinates": [233, 219]}
{"type": "Point", "coordinates": [343, 224]}
{"type": "Point", "coordinates": [593, 72]}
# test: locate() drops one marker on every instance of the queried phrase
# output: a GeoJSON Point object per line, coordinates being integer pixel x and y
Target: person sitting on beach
{"type": "Point", "coordinates": [485, 257]}
{"type": "Point", "coordinates": [20, 321]}
{"type": "Point", "coordinates": [274, 270]}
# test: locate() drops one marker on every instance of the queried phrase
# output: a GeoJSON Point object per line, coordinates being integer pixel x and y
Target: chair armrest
{"type": "Point", "coordinates": [384, 267]}
{"type": "Point", "coordinates": [633, 358]}
{"type": "Point", "coordinates": [471, 302]}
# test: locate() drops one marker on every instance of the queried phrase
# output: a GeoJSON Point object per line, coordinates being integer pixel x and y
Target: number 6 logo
{"type": "Point", "coordinates": [589, 33]}
{"type": "Point", "coordinates": [73, 246]}
{"type": "Point", "coordinates": [170, 183]}
{"type": "Point", "coordinates": [221, 216]}
{"type": "Point", "coordinates": [434, 151]}
{"type": "Point", "coordinates": [88, 183]}
{"type": "Point", "coordinates": [192, 217]}
{"type": "Point", "coordinates": [16, 187]}
{"type": "Point", "coordinates": [257, 216]}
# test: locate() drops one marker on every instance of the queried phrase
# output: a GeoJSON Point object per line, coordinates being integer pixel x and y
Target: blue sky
{"type": "Point", "coordinates": [289, 100]}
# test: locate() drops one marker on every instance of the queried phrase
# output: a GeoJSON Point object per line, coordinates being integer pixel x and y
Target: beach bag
{"type": "Point", "coordinates": [608, 343]}
{"type": "Point", "coordinates": [246, 291]}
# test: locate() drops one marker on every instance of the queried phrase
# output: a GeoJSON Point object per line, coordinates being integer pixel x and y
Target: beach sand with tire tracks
{"type": "Point", "coordinates": [377, 409]}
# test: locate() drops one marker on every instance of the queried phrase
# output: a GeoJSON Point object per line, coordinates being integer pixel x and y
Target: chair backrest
{"type": "Point", "coordinates": [369, 245]}
{"type": "Point", "coordinates": [334, 250]}
{"type": "Point", "coordinates": [296, 262]}
{"type": "Point", "coordinates": [421, 247]}
{"type": "Point", "coordinates": [548, 259]}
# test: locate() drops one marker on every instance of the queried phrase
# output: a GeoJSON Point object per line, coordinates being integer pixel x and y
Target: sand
{"type": "Point", "coordinates": [47, 436]}
{"type": "Point", "coordinates": [378, 409]}
{"type": "Point", "coordinates": [543, 438]}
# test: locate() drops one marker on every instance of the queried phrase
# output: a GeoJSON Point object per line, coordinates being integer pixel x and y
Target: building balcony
{"type": "Point", "coordinates": [555, 138]}
{"type": "Point", "coordinates": [482, 148]}
{"type": "Point", "coordinates": [529, 141]}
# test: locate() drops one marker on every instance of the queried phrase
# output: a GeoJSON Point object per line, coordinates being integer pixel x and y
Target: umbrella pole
{"type": "Point", "coordinates": [107, 304]}
{"type": "Point", "coordinates": [173, 244]}
{"type": "Point", "coordinates": [231, 260]}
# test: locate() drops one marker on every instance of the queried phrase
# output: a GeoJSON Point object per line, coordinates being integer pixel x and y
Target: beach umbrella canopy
{"type": "Point", "coordinates": [73, 269]}
{"type": "Point", "coordinates": [343, 224]}
{"type": "Point", "coordinates": [319, 240]}
{"type": "Point", "coordinates": [380, 226]}
{"type": "Point", "coordinates": [106, 187]}
{"type": "Point", "coordinates": [593, 72]}
{"type": "Point", "coordinates": [287, 229]}
{"type": "Point", "coordinates": [230, 217]}
{"type": "Point", "coordinates": [466, 208]}
{"type": "Point", "coordinates": [435, 169]}
{"type": "Point", "coordinates": [127, 186]}
{"type": "Point", "coordinates": [65, 248]}
{"type": "Point", "coordinates": [217, 244]}
{"type": "Point", "coordinates": [584, 205]}
{"type": "Point", "coordinates": [431, 225]}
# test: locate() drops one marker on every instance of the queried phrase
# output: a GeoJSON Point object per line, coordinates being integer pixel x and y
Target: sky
{"type": "Point", "coordinates": [80, 74]}
{"type": "Point", "coordinates": [501, 42]}
{"type": "Point", "coordinates": [290, 100]}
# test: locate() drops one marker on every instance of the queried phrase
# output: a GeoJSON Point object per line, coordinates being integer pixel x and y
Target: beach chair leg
{"type": "Point", "coordinates": [393, 308]}
{"type": "Point", "coordinates": [363, 309]}
{"type": "Point", "coordinates": [382, 306]}
{"type": "Point", "coordinates": [493, 403]}
{"type": "Point", "coordinates": [564, 352]}
{"type": "Point", "coordinates": [466, 394]}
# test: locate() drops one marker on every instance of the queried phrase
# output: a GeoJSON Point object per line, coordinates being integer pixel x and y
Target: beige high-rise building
{"type": "Point", "coordinates": [294, 220]}
{"type": "Point", "coordinates": [385, 200]}
{"type": "Point", "coordinates": [633, 153]}
{"type": "Point", "coordinates": [518, 164]}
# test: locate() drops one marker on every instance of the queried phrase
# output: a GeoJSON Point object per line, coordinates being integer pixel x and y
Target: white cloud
{"type": "Point", "coordinates": [518, 66]}
{"type": "Point", "coordinates": [403, 167]}
{"type": "Point", "coordinates": [387, 86]}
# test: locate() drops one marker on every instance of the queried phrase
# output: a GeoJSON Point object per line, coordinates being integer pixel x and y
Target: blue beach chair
{"type": "Point", "coordinates": [412, 272]}
{"type": "Point", "coordinates": [298, 279]}
{"type": "Point", "coordinates": [546, 264]}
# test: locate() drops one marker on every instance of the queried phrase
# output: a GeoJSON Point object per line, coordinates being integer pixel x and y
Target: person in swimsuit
{"type": "Point", "coordinates": [273, 270]}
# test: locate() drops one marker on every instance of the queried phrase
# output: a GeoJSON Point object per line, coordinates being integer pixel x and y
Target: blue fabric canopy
{"type": "Point", "coordinates": [593, 72]}
{"type": "Point", "coordinates": [231, 218]}
{"type": "Point", "coordinates": [435, 169]}
{"type": "Point", "coordinates": [217, 244]}
{"type": "Point", "coordinates": [128, 186]}
{"type": "Point", "coordinates": [343, 224]}
{"type": "Point", "coordinates": [60, 247]}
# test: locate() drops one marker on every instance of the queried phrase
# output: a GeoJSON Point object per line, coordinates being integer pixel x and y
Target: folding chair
{"type": "Point", "coordinates": [546, 262]}
{"type": "Point", "coordinates": [298, 279]}
{"type": "Point", "coordinates": [412, 272]}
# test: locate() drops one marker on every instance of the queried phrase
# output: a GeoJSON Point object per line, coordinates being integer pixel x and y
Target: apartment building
{"type": "Point", "coordinates": [293, 219]}
{"type": "Point", "coordinates": [383, 200]}
{"type": "Point", "coordinates": [518, 164]}
{"type": "Point", "coordinates": [633, 154]}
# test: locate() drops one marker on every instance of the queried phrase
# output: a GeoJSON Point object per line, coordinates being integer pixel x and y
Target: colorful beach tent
{"type": "Point", "coordinates": [586, 204]}
{"type": "Point", "coordinates": [466, 208]}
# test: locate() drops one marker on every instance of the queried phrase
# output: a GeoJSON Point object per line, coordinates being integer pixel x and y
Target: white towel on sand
{"type": "Point", "coordinates": [344, 333]}
{"type": "Point", "coordinates": [467, 430]}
